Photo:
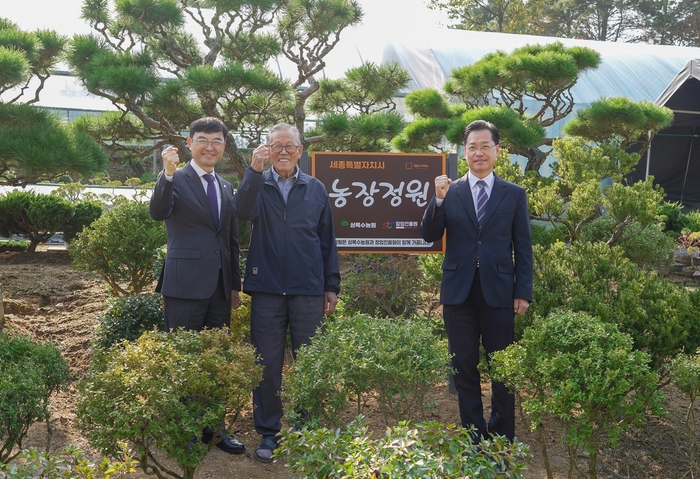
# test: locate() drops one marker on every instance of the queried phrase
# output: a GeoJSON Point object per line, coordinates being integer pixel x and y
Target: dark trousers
{"type": "Point", "coordinates": [271, 315]}
{"type": "Point", "coordinates": [467, 325]}
{"type": "Point", "coordinates": [197, 314]}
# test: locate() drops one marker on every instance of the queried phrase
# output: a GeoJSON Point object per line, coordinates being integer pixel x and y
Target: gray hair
{"type": "Point", "coordinates": [282, 127]}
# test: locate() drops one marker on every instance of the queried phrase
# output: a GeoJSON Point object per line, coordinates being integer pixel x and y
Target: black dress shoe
{"type": "Point", "coordinates": [231, 445]}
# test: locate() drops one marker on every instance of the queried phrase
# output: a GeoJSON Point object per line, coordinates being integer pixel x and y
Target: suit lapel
{"type": "Point", "coordinates": [498, 192]}
{"type": "Point", "coordinates": [465, 195]}
{"type": "Point", "coordinates": [225, 199]}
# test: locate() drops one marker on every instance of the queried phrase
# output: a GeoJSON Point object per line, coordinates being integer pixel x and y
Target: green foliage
{"type": "Point", "coordinates": [690, 241]}
{"type": "Point", "coordinates": [220, 70]}
{"type": "Point", "coordinates": [660, 317]}
{"type": "Point", "coordinates": [36, 145]}
{"type": "Point", "coordinates": [25, 56]}
{"type": "Point", "coordinates": [576, 195]}
{"type": "Point", "coordinates": [649, 247]}
{"type": "Point", "coordinates": [30, 372]}
{"type": "Point", "coordinates": [690, 221]}
{"type": "Point", "coordinates": [148, 177]}
{"type": "Point", "coordinates": [127, 318]}
{"type": "Point", "coordinates": [620, 122]}
{"type": "Point", "coordinates": [385, 285]}
{"type": "Point", "coordinates": [119, 246]}
{"type": "Point", "coordinates": [502, 88]}
{"type": "Point", "coordinates": [546, 236]}
{"type": "Point", "coordinates": [35, 216]}
{"type": "Point", "coordinates": [428, 103]}
{"type": "Point", "coordinates": [161, 390]}
{"type": "Point", "coordinates": [361, 132]}
{"type": "Point", "coordinates": [670, 214]}
{"type": "Point", "coordinates": [72, 192]}
{"type": "Point", "coordinates": [428, 450]}
{"type": "Point", "coordinates": [584, 374]}
{"type": "Point", "coordinates": [20, 245]}
{"type": "Point", "coordinates": [71, 463]}
{"type": "Point", "coordinates": [240, 318]}
{"type": "Point", "coordinates": [396, 361]}
{"type": "Point", "coordinates": [685, 373]}
{"type": "Point", "coordinates": [364, 89]}
{"type": "Point", "coordinates": [357, 112]}
{"type": "Point", "coordinates": [84, 214]}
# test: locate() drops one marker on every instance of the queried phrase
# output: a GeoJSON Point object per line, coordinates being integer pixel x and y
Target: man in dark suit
{"type": "Point", "coordinates": [487, 272]}
{"type": "Point", "coordinates": [201, 278]}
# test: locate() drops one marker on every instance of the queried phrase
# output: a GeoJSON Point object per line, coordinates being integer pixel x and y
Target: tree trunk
{"type": "Point", "coordinates": [237, 159]}
{"type": "Point", "coordinates": [535, 159]}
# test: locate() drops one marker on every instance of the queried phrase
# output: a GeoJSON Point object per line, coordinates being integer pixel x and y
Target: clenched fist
{"type": "Point", "coordinates": [170, 160]}
{"type": "Point", "coordinates": [260, 155]}
{"type": "Point", "coordinates": [442, 184]}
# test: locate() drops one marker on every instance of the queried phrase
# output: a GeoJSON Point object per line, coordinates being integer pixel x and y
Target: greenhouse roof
{"type": "Point", "coordinates": [637, 71]}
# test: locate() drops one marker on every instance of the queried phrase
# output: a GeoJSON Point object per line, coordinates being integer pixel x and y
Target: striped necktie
{"type": "Point", "coordinates": [481, 199]}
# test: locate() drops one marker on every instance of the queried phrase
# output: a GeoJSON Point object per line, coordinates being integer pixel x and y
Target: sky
{"type": "Point", "coordinates": [383, 20]}
{"type": "Point", "coordinates": [64, 15]}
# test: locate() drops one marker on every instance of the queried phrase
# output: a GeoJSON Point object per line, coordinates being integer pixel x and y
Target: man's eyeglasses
{"type": "Point", "coordinates": [483, 148]}
{"type": "Point", "coordinates": [278, 148]}
{"type": "Point", "coordinates": [214, 143]}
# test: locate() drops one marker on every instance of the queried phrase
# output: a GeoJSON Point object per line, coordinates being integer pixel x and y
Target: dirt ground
{"type": "Point", "coordinates": [45, 297]}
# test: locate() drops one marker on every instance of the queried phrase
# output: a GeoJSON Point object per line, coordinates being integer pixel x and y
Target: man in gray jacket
{"type": "Point", "coordinates": [292, 271]}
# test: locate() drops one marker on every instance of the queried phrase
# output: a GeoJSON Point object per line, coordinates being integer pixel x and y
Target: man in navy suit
{"type": "Point", "coordinates": [487, 272]}
{"type": "Point", "coordinates": [201, 279]}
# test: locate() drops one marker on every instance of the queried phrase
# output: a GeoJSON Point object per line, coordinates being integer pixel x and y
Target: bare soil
{"type": "Point", "coordinates": [44, 296]}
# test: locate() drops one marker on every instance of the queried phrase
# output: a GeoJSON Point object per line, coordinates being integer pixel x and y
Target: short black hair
{"type": "Point", "coordinates": [208, 124]}
{"type": "Point", "coordinates": [482, 125]}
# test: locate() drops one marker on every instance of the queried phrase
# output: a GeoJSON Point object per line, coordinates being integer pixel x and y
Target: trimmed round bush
{"type": "Point", "coordinates": [128, 317]}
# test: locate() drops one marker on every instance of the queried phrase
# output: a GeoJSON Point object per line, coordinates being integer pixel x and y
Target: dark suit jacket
{"type": "Point", "coordinates": [196, 248]}
{"type": "Point", "coordinates": [503, 246]}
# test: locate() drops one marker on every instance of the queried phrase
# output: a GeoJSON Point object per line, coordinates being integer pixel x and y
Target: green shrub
{"type": "Point", "coordinates": [431, 268]}
{"type": "Point", "coordinates": [161, 390]}
{"type": "Point", "coordinates": [670, 214]}
{"type": "Point", "coordinates": [396, 361]}
{"type": "Point", "coordinates": [120, 246]}
{"type": "Point", "coordinates": [585, 375]}
{"type": "Point", "coordinates": [20, 245]}
{"type": "Point", "coordinates": [69, 464]}
{"type": "Point", "coordinates": [29, 373]}
{"type": "Point", "coordinates": [545, 236]}
{"type": "Point", "coordinates": [690, 221]}
{"type": "Point", "coordinates": [84, 214]}
{"type": "Point", "coordinates": [148, 177]}
{"type": "Point", "coordinates": [423, 451]}
{"type": "Point", "coordinates": [660, 317]}
{"type": "Point", "coordinates": [128, 317]}
{"type": "Point", "coordinates": [385, 285]}
{"type": "Point", "coordinates": [649, 247]}
{"type": "Point", "coordinates": [37, 217]}
{"type": "Point", "coordinates": [685, 373]}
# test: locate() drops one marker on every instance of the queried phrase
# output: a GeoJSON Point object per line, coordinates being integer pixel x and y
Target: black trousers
{"type": "Point", "coordinates": [197, 314]}
{"type": "Point", "coordinates": [469, 324]}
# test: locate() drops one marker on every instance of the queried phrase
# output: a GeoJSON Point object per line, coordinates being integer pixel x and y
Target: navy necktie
{"type": "Point", "coordinates": [481, 199]}
{"type": "Point", "coordinates": [211, 196]}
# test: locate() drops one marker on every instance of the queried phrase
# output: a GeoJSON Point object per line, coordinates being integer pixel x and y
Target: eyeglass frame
{"type": "Point", "coordinates": [283, 147]}
{"type": "Point", "coordinates": [484, 148]}
{"type": "Point", "coordinates": [204, 143]}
